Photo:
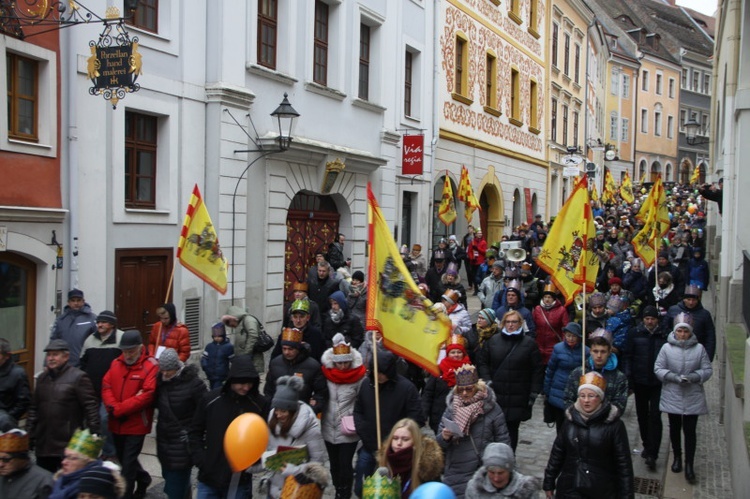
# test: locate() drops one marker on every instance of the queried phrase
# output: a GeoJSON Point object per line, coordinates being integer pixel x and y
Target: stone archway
{"type": "Point", "coordinates": [492, 218]}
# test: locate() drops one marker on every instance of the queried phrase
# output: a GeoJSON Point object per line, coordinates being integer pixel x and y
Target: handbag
{"type": "Point", "coordinates": [347, 425]}
{"type": "Point", "coordinates": [264, 342]}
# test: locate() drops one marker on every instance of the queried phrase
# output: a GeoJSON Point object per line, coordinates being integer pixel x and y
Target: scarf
{"type": "Point", "coordinates": [547, 307]}
{"type": "Point", "coordinates": [401, 464]}
{"type": "Point", "coordinates": [356, 289]}
{"type": "Point", "coordinates": [448, 368]}
{"type": "Point", "coordinates": [661, 293]}
{"type": "Point", "coordinates": [346, 377]}
{"type": "Point", "coordinates": [485, 333]}
{"type": "Point", "coordinates": [515, 333]}
{"type": "Point", "coordinates": [336, 316]}
{"type": "Point", "coordinates": [587, 415]}
{"type": "Point", "coordinates": [465, 413]}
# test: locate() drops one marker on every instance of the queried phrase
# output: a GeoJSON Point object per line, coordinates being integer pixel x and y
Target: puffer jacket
{"type": "Point", "coordinates": [214, 414]}
{"type": "Point", "coordinates": [305, 431]}
{"type": "Point", "coordinates": [97, 356]}
{"type": "Point", "coordinates": [641, 349]}
{"type": "Point", "coordinates": [489, 288]}
{"type": "Point", "coordinates": [315, 386]}
{"type": "Point", "coordinates": [463, 455]}
{"type": "Point", "coordinates": [636, 283]}
{"type": "Point", "coordinates": [341, 397]}
{"type": "Point", "coordinates": [514, 366]}
{"type": "Point", "coordinates": [680, 358]}
{"type": "Point", "coordinates": [529, 326]}
{"type": "Point", "coordinates": [461, 320]}
{"type": "Point", "coordinates": [74, 326]}
{"type": "Point", "coordinates": [563, 361]}
{"type": "Point", "coordinates": [519, 487]}
{"type": "Point", "coordinates": [703, 325]}
{"type": "Point", "coordinates": [549, 327]}
{"type": "Point", "coordinates": [245, 336]}
{"type": "Point", "coordinates": [128, 394]}
{"type": "Point", "coordinates": [62, 401]}
{"type": "Point", "coordinates": [215, 359]}
{"type": "Point", "coordinates": [591, 458]}
{"type": "Point", "coordinates": [617, 383]}
{"type": "Point", "coordinates": [175, 336]}
{"type": "Point", "coordinates": [15, 393]}
{"type": "Point", "coordinates": [177, 400]}
{"type": "Point", "coordinates": [350, 326]}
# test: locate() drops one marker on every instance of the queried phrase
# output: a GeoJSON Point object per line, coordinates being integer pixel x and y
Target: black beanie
{"type": "Point", "coordinates": [100, 481]}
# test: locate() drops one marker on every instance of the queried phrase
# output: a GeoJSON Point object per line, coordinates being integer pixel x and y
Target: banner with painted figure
{"type": "Point", "coordinates": [466, 194]}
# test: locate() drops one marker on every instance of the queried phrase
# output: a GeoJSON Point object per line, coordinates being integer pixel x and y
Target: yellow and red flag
{"type": "Point", "coordinates": [466, 194]}
{"type": "Point", "coordinates": [626, 189]}
{"type": "Point", "coordinates": [396, 307]}
{"type": "Point", "coordinates": [609, 189]}
{"type": "Point", "coordinates": [447, 208]}
{"type": "Point", "coordinates": [567, 255]}
{"type": "Point", "coordinates": [655, 216]}
{"type": "Point", "coordinates": [696, 176]}
{"type": "Point", "coordinates": [198, 249]}
{"type": "Point", "coordinates": [594, 193]}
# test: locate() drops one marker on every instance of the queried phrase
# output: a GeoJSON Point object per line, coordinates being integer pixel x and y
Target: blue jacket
{"type": "Point", "coordinates": [562, 362]}
{"type": "Point", "coordinates": [698, 273]}
{"type": "Point", "coordinates": [74, 326]}
{"type": "Point", "coordinates": [215, 360]}
{"type": "Point", "coordinates": [619, 325]}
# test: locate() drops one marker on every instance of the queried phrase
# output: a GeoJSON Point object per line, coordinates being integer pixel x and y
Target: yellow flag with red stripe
{"type": "Point", "coordinates": [396, 307]}
{"type": "Point", "coordinates": [655, 216]}
{"type": "Point", "coordinates": [466, 194]}
{"type": "Point", "coordinates": [447, 208]}
{"type": "Point", "coordinates": [695, 177]}
{"type": "Point", "coordinates": [567, 255]}
{"type": "Point", "coordinates": [594, 193]}
{"type": "Point", "coordinates": [198, 249]}
{"type": "Point", "coordinates": [626, 189]}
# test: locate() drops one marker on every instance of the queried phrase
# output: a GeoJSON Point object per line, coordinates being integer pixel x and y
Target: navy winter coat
{"type": "Point", "coordinates": [215, 359]}
{"type": "Point", "coordinates": [562, 362]}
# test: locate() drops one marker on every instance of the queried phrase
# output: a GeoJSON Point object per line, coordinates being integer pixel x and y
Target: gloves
{"type": "Point", "coordinates": [674, 378]}
{"type": "Point", "coordinates": [694, 377]}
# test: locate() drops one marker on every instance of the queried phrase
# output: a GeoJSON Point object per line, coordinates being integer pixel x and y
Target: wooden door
{"type": "Point", "coordinates": [141, 283]}
{"type": "Point", "coordinates": [18, 307]}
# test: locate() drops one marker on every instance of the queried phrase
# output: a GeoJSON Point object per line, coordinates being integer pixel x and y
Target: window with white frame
{"type": "Point", "coordinates": [624, 129]}
{"type": "Point", "coordinates": [696, 81]}
{"type": "Point", "coordinates": [670, 127]}
{"type": "Point", "coordinates": [577, 69]}
{"type": "Point", "coordinates": [615, 81]}
{"type": "Point", "coordinates": [684, 81]}
{"type": "Point", "coordinates": [268, 19]}
{"type": "Point", "coordinates": [320, 43]}
{"type": "Point", "coordinates": [683, 119]}
{"type": "Point", "coordinates": [566, 61]}
{"type": "Point", "coordinates": [29, 125]}
{"type": "Point", "coordinates": [364, 62]}
{"type": "Point", "coordinates": [706, 83]}
{"type": "Point", "coordinates": [553, 120]}
{"type": "Point", "coordinates": [613, 125]}
{"type": "Point", "coordinates": [555, 35]}
{"type": "Point", "coordinates": [644, 120]}
{"type": "Point", "coordinates": [625, 86]}
{"type": "Point", "coordinates": [671, 88]}
{"type": "Point", "coordinates": [565, 125]}
{"type": "Point", "coordinates": [644, 81]}
{"type": "Point", "coordinates": [659, 83]}
{"type": "Point", "coordinates": [657, 123]}
{"type": "Point", "coordinates": [412, 82]}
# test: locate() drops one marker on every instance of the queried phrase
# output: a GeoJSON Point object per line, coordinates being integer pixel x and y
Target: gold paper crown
{"type": "Point", "coordinates": [451, 295]}
{"type": "Point", "coordinates": [299, 286]}
{"type": "Point", "coordinates": [593, 378]}
{"type": "Point", "coordinates": [457, 339]}
{"type": "Point", "coordinates": [291, 334]}
{"type": "Point", "coordinates": [342, 349]}
{"type": "Point", "coordinates": [86, 443]}
{"type": "Point", "coordinates": [466, 375]}
{"type": "Point", "coordinates": [378, 486]}
{"type": "Point", "coordinates": [550, 288]}
{"type": "Point", "coordinates": [14, 441]}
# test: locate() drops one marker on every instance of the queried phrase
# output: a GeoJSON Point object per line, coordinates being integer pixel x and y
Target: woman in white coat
{"type": "Point", "coordinates": [683, 366]}
{"type": "Point", "coordinates": [292, 423]}
{"type": "Point", "coordinates": [344, 372]}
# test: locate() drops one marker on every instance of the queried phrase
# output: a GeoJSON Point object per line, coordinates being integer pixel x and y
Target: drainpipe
{"type": "Point", "coordinates": [435, 109]}
{"type": "Point", "coordinates": [70, 129]}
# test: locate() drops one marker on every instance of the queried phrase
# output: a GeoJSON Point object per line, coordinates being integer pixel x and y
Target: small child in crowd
{"type": "Point", "coordinates": [217, 355]}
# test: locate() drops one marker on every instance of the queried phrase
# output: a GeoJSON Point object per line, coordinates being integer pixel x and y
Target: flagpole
{"type": "Point", "coordinates": [377, 386]}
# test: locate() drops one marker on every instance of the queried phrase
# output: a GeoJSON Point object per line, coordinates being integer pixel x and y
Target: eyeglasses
{"type": "Point", "coordinates": [512, 322]}
{"type": "Point", "coordinates": [588, 396]}
{"type": "Point", "coordinates": [464, 389]}
{"type": "Point", "coordinates": [7, 459]}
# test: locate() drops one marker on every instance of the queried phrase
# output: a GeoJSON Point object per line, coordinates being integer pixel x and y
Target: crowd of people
{"type": "Point", "coordinates": [645, 332]}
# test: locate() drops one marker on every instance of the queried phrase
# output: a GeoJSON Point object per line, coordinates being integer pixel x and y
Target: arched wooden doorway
{"type": "Point", "coordinates": [311, 225]}
{"type": "Point", "coordinates": [18, 307]}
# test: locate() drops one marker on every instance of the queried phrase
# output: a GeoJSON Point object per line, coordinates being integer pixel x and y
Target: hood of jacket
{"type": "Point", "coordinates": [242, 367]}
{"type": "Point", "coordinates": [386, 365]}
{"type": "Point", "coordinates": [611, 364]}
{"type": "Point", "coordinates": [340, 299]}
{"type": "Point", "coordinates": [172, 311]}
{"type": "Point", "coordinates": [607, 413]}
{"type": "Point", "coordinates": [327, 359]}
{"type": "Point", "coordinates": [690, 342]}
{"type": "Point", "coordinates": [432, 463]}
{"type": "Point", "coordinates": [236, 311]}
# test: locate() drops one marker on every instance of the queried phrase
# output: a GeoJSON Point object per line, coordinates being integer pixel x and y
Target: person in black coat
{"type": "Point", "coordinates": [663, 296]}
{"type": "Point", "coordinates": [179, 391]}
{"type": "Point", "coordinates": [340, 320]}
{"type": "Point", "coordinates": [591, 454]}
{"type": "Point", "coordinates": [641, 349]}
{"type": "Point", "coordinates": [398, 399]}
{"type": "Point", "coordinates": [214, 414]}
{"type": "Point", "coordinates": [434, 276]}
{"type": "Point", "coordinates": [15, 393]}
{"type": "Point", "coordinates": [663, 265]}
{"type": "Point", "coordinates": [513, 363]}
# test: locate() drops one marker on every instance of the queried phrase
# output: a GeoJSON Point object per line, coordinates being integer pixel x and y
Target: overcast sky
{"type": "Point", "coordinates": [705, 6]}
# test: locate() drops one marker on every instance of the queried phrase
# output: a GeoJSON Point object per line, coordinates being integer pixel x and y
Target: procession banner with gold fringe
{"type": "Point", "coordinates": [396, 307]}
{"type": "Point", "coordinates": [655, 216]}
{"type": "Point", "coordinates": [198, 249]}
{"type": "Point", "coordinates": [447, 209]}
{"type": "Point", "coordinates": [466, 194]}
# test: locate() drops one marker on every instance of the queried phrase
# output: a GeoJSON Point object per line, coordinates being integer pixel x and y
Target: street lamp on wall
{"type": "Point", "coordinates": [691, 132]}
{"type": "Point", "coordinates": [285, 115]}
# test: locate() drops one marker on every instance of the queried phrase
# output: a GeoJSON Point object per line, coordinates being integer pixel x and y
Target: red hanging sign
{"type": "Point", "coordinates": [412, 157]}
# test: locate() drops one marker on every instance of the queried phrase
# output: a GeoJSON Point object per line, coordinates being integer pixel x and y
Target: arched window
{"type": "Point", "coordinates": [517, 208]}
{"type": "Point", "coordinates": [642, 171]}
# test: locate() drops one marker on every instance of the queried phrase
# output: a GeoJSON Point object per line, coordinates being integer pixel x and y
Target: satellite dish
{"type": "Point", "coordinates": [610, 155]}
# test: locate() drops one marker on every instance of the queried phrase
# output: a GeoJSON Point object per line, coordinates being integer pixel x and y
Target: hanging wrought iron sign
{"type": "Point", "coordinates": [115, 63]}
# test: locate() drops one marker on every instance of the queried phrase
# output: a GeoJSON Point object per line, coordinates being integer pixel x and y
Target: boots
{"type": "Point", "coordinates": [689, 472]}
{"type": "Point", "coordinates": [343, 492]}
{"type": "Point", "coordinates": [677, 463]}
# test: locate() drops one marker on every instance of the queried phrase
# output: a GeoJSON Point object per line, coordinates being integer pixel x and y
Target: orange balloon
{"type": "Point", "coordinates": [245, 441]}
{"type": "Point", "coordinates": [692, 209]}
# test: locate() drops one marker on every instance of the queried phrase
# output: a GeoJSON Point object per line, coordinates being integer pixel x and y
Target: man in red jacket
{"type": "Point", "coordinates": [128, 394]}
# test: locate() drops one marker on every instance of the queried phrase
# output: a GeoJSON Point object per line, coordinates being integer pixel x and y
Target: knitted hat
{"type": "Point", "coordinates": [615, 280]}
{"type": "Point", "coordinates": [451, 296]}
{"type": "Point", "coordinates": [466, 375]}
{"type": "Point", "coordinates": [75, 293]}
{"type": "Point", "coordinates": [14, 440]}
{"type": "Point", "coordinates": [452, 269]}
{"type": "Point", "coordinates": [692, 291]}
{"type": "Point", "coordinates": [57, 346]}
{"type": "Point", "coordinates": [299, 286]}
{"type": "Point", "coordinates": [574, 328]}
{"type": "Point", "coordinates": [497, 263]}
{"type": "Point", "coordinates": [300, 306]}
{"type": "Point", "coordinates": [650, 311]}
{"type": "Point", "coordinates": [130, 339]}
{"type": "Point", "coordinates": [288, 389]}
{"type": "Point", "coordinates": [488, 314]}
{"type": "Point", "coordinates": [98, 481]}
{"type": "Point", "coordinates": [219, 329]}
{"type": "Point", "coordinates": [597, 300]}
{"type": "Point", "coordinates": [359, 275]}
{"type": "Point", "coordinates": [291, 337]}
{"type": "Point", "coordinates": [664, 254]}
{"type": "Point", "coordinates": [170, 361]}
{"type": "Point", "coordinates": [86, 443]}
{"type": "Point", "coordinates": [601, 333]}
{"type": "Point", "coordinates": [342, 351]}
{"type": "Point", "coordinates": [499, 455]}
{"type": "Point", "coordinates": [614, 304]}
{"type": "Point", "coordinates": [683, 320]}
{"type": "Point", "coordinates": [107, 316]}
{"type": "Point", "coordinates": [593, 381]}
